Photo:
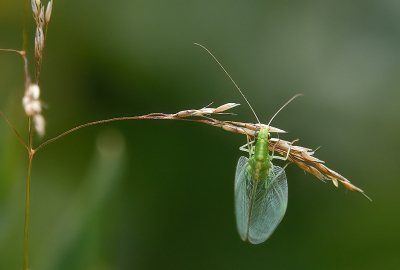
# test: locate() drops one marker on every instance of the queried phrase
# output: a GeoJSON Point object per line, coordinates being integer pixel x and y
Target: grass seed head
{"type": "Point", "coordinates": [48, 11]}
{"type": "Point", "coordinates": [206, 111]}
{"type": "Point", "coordinates": [41, 18]}
{"type": "Point", "coordinates": [39, 42]}
{"type": "Point", "coordinates": [225, 107]}
{"type": "Point", "coordinates": [34, 8]}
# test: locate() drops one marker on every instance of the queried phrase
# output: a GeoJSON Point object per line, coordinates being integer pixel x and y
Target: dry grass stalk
{"type": "Point", "coordinates": [206, 111]}
{"type": "Point", "coordinates": [301, 156]}
{"type": "Point", "coordinates": [42, 22]}
{"type": "Point", "coordinates": [256, 127]}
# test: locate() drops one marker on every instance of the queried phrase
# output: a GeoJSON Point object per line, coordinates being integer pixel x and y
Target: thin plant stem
{"type": "Point", "coordinates": [27, 77]}
{"type": "Point", "coordinates": [8, 122]}
{"type": "Point", "coordinates": [30, 142]}
{"type": "Point", "coordinates": [82, 126]}
{"type": "Point", "coordinates": [151, 116]}
{"type": "Point", "coordinates": [26, 224]}
{"type": "Point", "coordinates": [10, 50]}
{"type": "Point", "coordinates": [28, 189]}
{"type": "Point", "coordinates": [147, 116]}
{"type": "Point", "coordinates": [23, 54]}
{"type": "Point", "coordinates": [28, 180]}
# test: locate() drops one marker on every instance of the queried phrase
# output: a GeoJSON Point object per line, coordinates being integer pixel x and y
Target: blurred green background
{"type": "Point", "coordinates": [159, 194]}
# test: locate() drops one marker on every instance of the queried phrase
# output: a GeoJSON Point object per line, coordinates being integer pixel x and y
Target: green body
{"type": "Point", "coordinates": [260, 162]}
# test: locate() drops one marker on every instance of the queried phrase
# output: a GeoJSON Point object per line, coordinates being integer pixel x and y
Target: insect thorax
{"type": "Point", "coordinates": [260, 162]}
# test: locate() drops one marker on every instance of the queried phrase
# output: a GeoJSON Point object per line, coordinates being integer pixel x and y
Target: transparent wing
{"type": "Point", "coordinates": [269, 206]}
{"type": "Point", "coordinates": [257, 221]}
{"type": "Point", "coordinates": [242, 200]}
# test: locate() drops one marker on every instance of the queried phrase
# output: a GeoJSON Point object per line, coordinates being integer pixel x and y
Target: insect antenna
{"type": "Point", "coordinates": [284, 105]}
{"type": "Point", "coordinates": [216, 60]}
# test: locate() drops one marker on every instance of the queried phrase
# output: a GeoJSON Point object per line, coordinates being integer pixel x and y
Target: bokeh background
{"type": "Point", "coordinates": [159, 194]}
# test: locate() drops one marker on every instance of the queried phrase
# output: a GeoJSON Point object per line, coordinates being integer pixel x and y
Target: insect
{"type": "Point", "coordinates": [261, 190]}
{"type": "Point", "coordinates": [261, 193]}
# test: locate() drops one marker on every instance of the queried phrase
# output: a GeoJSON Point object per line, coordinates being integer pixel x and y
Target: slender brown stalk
{"type": "Point", "coordinates": [8, 122]}
{"type": "Point", "coordinates": [151, 116]}
{"type": "Point", "coordinates": [27, 78]}
{"type": "Point", "coordinates": [301, 156]}
{"type": "Point", "coordinates": [86, 125]}
{"type": "Point", "coordinates": [23, 54]}
{"type": "Point", "coordinates": [11, 50]}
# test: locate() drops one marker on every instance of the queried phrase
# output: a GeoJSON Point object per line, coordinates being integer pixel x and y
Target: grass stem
{"type": "Point", "coordinates": [26, 224]}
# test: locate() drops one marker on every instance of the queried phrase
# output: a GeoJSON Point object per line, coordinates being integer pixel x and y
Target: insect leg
{"type": "Point", "coordinates": [287, 154]}
{"type": "Point", "coordinates": [248, 147]}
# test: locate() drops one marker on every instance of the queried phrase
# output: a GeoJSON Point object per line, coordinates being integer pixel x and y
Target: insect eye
{"type": "Point", "coordinates": [269, 135]}
{"type": "Point", "coordinates": [256, 133]}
